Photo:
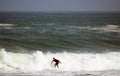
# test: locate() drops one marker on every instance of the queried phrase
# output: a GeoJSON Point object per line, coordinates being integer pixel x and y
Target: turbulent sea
{"type": "Point", "coordinates": [87, 44]}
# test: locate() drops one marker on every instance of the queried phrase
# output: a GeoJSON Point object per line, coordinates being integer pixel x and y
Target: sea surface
{"type": "Point", "coordinates": [87, 44]}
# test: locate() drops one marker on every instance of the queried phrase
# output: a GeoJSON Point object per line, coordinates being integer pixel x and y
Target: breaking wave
{"type": "Point", "coordinates": [5, 24]}
{"type": "Point", "coordinates": [107, 28]}
{"type": "Point", "coordinates": [12, 26]}
{"type": "Point", "coordinates": [38, 61]}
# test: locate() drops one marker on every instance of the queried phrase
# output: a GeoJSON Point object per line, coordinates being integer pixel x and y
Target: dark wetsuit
{"type": "Point", "coordinates": [56, 62]}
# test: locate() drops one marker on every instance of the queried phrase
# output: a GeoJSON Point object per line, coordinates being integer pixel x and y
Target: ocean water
{"type": "Point", "coordinates": [87, 44]}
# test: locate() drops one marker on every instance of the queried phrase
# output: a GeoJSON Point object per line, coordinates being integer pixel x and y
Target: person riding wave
{"type": "Point", "coordinates": [56, 62]}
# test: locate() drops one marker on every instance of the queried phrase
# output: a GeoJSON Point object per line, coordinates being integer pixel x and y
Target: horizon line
{"type": "Point", "coordinates": [59, 11]}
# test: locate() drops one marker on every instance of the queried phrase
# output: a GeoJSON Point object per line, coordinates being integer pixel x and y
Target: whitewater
{"type": "Point", "coordinates": [87, 44]}
{"type": "Point", "coordinates": [40, 63]}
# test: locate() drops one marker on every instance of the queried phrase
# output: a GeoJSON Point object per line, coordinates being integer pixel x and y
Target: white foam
{"type": "Point", "coordinates": [107, 28]}
{"type": "Point", "coordinates": [38, 61]}
{"type": "Point", "coordinates": [11, 26]}
{"type": "Point", "coordinates": [6, 24]}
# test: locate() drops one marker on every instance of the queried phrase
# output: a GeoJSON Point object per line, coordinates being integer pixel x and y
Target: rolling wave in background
{"type": "Point", "coordinates": [52, 38]}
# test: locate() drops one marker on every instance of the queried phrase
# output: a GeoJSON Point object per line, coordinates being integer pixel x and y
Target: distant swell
{"type": "Point", "coordinates": [59, 37]}
{"type": "Point", "coordinates": [38, 61]}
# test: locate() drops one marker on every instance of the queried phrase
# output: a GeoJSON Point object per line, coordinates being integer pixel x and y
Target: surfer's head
{"type": "Point", "coordinates": [53, 58]}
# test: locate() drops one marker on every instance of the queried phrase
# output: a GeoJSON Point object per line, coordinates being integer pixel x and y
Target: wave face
{"type": "Point", "coordinates": [39, 61]}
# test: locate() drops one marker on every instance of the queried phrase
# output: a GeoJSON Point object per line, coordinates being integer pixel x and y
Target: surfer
{"type": "Point", "coordinates": [56, 62]}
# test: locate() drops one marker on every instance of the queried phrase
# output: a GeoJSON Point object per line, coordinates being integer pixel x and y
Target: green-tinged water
{"type": "Point", "coordinates": [87, 44]}
{"type": "Point", "coordinates": [73, 32]}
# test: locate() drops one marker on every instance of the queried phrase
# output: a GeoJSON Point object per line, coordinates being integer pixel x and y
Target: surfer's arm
{"type": "Point", "coordinates": [60, 62]}
{"type": "Point", "coordinates": [51, 61]}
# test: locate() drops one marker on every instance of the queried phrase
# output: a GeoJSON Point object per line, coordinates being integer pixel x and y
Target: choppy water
{"type": "Point", "coordinates": [86, 39]}
{"type": "Point", "coordinates": [59, 31]}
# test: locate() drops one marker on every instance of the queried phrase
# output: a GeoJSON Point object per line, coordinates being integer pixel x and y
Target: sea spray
{"type": "Point", "coordinates": [38, 61]}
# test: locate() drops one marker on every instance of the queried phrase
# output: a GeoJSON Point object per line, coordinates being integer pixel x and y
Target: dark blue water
{"type": "Point", "coordinates": [56, 32]}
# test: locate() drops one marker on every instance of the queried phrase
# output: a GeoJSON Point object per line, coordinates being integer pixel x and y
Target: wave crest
{"type": "Point", "coordinates": [107, 28]}
{"type": "Point", "coordinates": [38, 61]}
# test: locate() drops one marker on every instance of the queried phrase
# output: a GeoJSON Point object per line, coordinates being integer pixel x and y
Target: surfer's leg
{"type": "Point", "coordinates": [54, 65]}
{"type": "Point", "coordinates": [57, 66]}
